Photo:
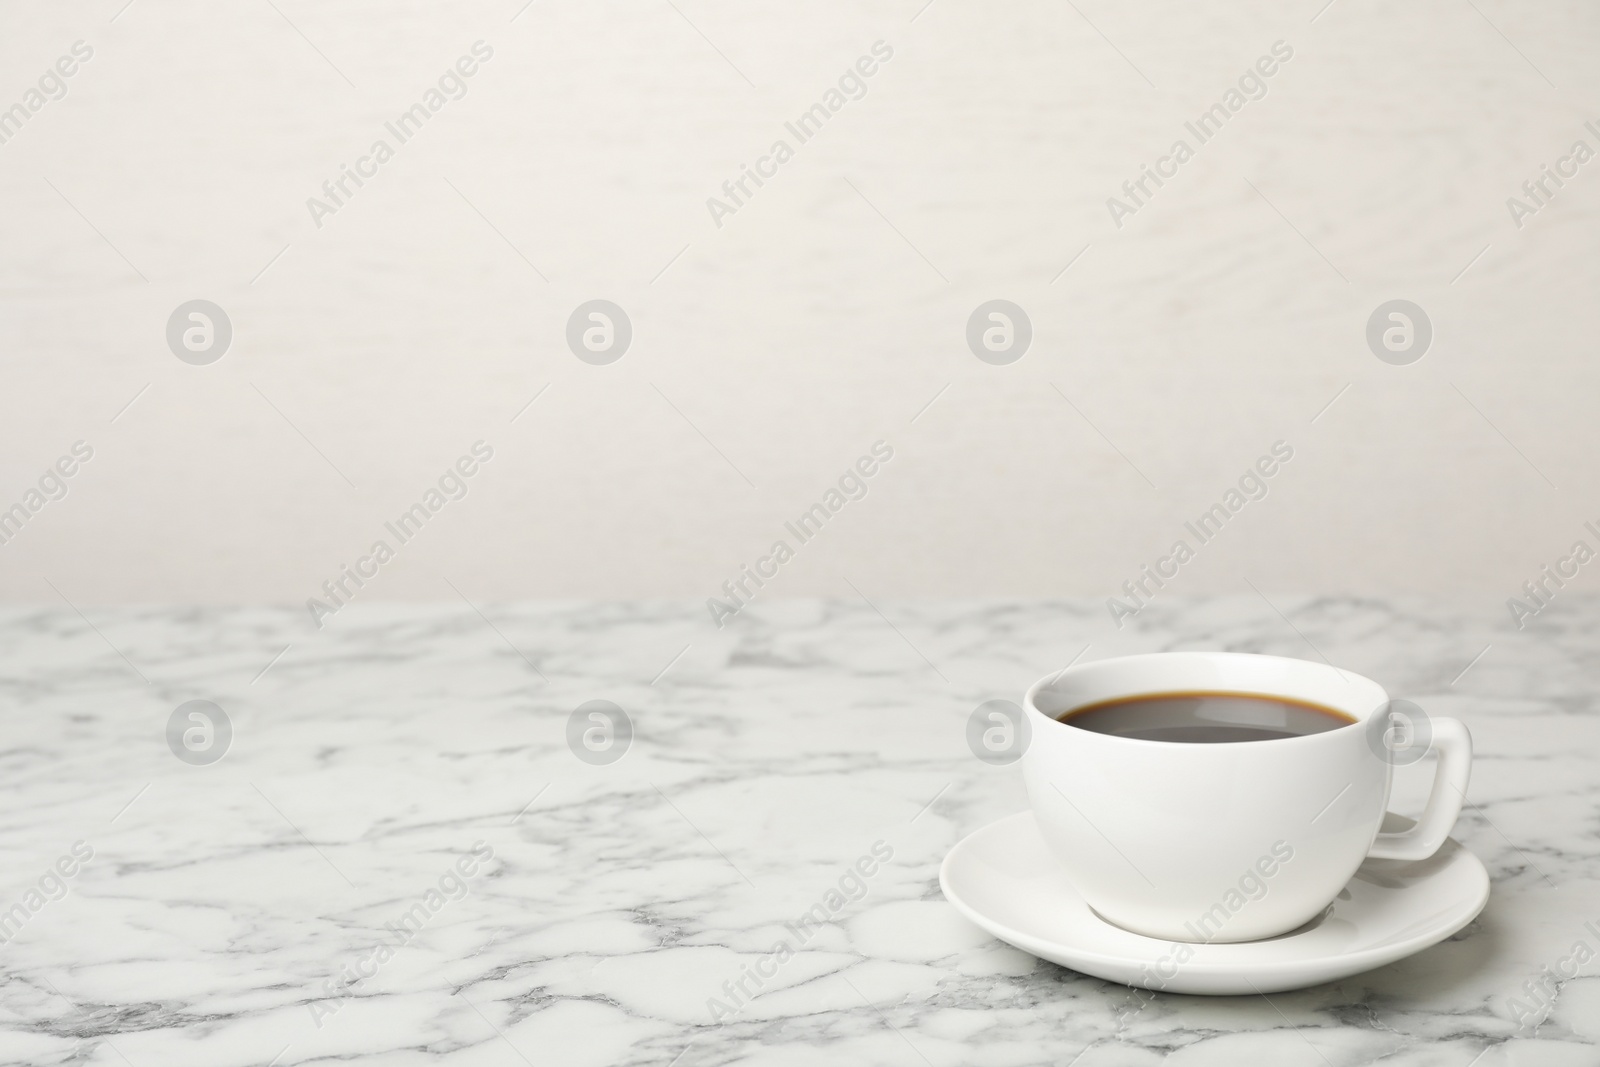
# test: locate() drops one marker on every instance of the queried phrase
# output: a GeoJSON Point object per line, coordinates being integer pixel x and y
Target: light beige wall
{"type": "Point", "coordinates": [819, 318]}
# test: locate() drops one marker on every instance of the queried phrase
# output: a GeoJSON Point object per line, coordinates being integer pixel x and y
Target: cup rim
{"type": "Point", "coordinates": [1030, 701]}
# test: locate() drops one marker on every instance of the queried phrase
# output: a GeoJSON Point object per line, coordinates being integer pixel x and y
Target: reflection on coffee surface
{"type": "Point", "coordinates": [1206, 718]}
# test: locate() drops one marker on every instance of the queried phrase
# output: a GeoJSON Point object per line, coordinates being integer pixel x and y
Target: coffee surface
{"type": "Point", "coordinates": [1206, 718]}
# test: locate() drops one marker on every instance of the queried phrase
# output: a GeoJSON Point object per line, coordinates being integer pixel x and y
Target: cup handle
{"type": "Point", "coordinates": [1454, 745]}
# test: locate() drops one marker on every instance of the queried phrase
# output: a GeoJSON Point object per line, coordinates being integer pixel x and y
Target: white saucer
{"type": "Point", "coordinates": [1004, 878]}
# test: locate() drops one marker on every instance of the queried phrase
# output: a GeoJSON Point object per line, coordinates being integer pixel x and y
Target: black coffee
{"type": "Point", "coordinates": [1206, 718]}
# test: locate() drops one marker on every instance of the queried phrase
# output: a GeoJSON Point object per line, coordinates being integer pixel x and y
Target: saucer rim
{"type": "Point", "coordinates": [1379, 955]}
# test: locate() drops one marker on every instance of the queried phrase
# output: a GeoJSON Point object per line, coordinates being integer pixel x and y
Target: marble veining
{"type": "Point", "coordinates": [793, 780]}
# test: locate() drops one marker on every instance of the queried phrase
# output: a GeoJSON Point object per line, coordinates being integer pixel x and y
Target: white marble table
{"type": "Point", "coordinates": [223, 903]}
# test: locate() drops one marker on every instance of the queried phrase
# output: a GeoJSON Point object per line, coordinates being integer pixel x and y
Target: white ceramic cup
{"type": "Point", "coordinates": [1230, 841]}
